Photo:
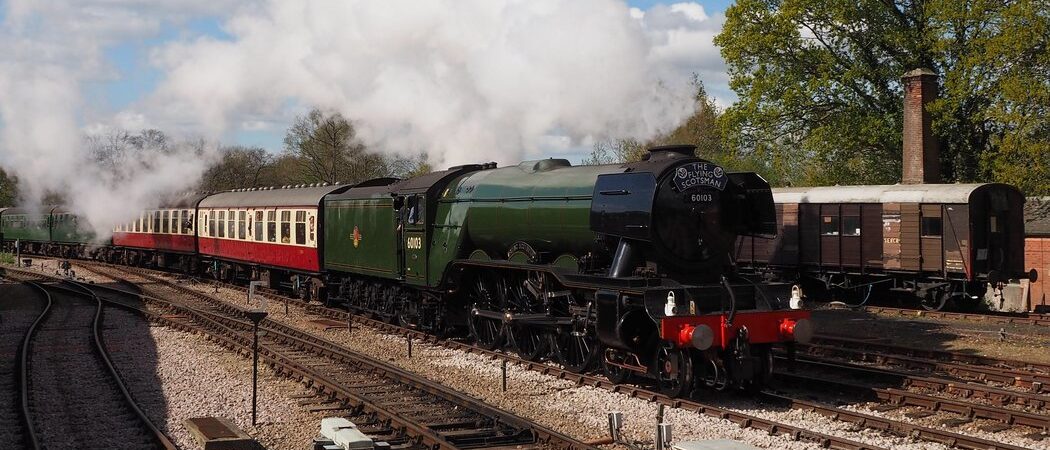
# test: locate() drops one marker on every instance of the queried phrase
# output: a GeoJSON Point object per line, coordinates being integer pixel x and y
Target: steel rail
{"type": "Point", "coordinates": [160, 439]}
{"type": "Point", "coordinates": [939, 355]}
{"type": "Point", "coordinates": [902, 397]}
{"type": "Point", "coordinates": [1036, 383]}
{"type": "Point", "coordinates": [288, 365]}
{"type": "Point", "coordinates": [23, 370]}
{"type": "Point", "coordinates": [874, 422]}
{"type": "Point", "coordinates": [742, 419]}
{"type": "Point", "coordinates": [945, 437]}
{"type": "Point", "coordinates": [956, 387]}
{"type": "Point", "coordinates": [1000, 318]}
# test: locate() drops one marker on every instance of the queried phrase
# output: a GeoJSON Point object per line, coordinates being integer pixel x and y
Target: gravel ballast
{"type": "Point", "coordinates": [579, 411]}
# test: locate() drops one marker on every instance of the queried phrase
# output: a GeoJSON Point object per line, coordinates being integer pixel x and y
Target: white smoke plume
{"type": "Point", "coordinates": [463, 80]}
{"type": "Point", "coordinates": [49, 51]}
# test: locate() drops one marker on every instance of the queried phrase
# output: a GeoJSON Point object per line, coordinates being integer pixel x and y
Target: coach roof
{"type": "Point", "coordinates": [892, 193]}
{"type": "Point", "coordinates": [272, 197]}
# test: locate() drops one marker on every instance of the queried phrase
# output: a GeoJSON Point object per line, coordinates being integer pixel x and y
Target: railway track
{"type": "Point", "coordinates": [97, 411]}
{"type": "Point", "coordinates": [986, 317]}
{"type": "Point", "coordinates": [739, 418]}
{"type": "Point", "coordinates": [860, 420]}
{"type": "Point", "coordinates": [394, 405]}
{"type": "Point", "coordinates": [18, 320]}
{"type": "Point", "coordinates": [894, 396]}
{"type": "Point", "coordinates": [1033, 377]}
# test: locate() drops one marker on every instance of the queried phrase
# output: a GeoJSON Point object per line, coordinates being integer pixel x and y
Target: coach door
{"type": "Point", "coordinates": [997, 243]}
{"type": "Point", "coordinates": [956, 239]}
{"type": "Point", "coordinates": [932, 232]}
{"type": "Point", "coordinates": [413, 239]}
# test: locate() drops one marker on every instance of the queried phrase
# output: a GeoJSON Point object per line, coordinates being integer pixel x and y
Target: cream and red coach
{"type": "Point", "coordinates": [265, 234]}
{"type": "Point", "coordinates": [162, 237]}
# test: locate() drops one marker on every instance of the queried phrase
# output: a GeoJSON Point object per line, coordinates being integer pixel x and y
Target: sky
{"type": "Point", "coordinates": [130, 72]}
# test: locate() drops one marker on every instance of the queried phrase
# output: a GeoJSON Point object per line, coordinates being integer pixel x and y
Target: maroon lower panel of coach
{"type": "Point", "coordinates": [285, 256]}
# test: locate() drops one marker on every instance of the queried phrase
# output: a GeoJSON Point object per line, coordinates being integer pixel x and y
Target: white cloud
{"type": "Point", "coordinates": [460, 79]}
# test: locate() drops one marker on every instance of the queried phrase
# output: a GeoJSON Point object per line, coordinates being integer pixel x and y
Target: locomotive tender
{"type": "Point", "coordinates": [627, 267]}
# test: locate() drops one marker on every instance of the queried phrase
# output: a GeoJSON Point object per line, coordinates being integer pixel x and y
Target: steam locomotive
{"type": "Point", "coordinates": [629, 268]}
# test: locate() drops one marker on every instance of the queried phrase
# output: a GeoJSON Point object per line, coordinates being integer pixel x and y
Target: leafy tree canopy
{"type": "Point", "coordinates": [820, 95]}
{"type": "Point", "coordinates": [8, 189]}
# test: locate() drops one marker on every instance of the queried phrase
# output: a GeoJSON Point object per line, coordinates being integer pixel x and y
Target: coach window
{"type": "Point", "coordinates": [850, 225]}
{"type": "Point", "coordinates": [231, 226]}
{"type": "Point", "coordinates": [175, 222]}
{"type": "Point", "coordinates": [312, 228]}
{"type": "Point", "coordinates": [242, 224]}
{"type": "Point", "coordinates": [221, 223]}
{"type": "Point", "coordinates": [271, 226]}
{"type": "Point", "coordinates": [156, 221]}
{"type": "Point", "coordinates": [286, 227]}
{"type": "Point", "coordinates": [164, 222]}
{"type": "Point", "coordinates": [185, 218]}
{"type": "Point", "coordinates": [300, 227]}
{"type": "Point", "coordinates": [931, 227]}
{"type": "Point", "coordinates": [258, 225]}
{"type": "Point", "coordinates": [829, 225]}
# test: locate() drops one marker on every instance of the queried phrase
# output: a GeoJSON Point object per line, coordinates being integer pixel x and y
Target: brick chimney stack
{"type": "Point", "coordinates": [921, 151]}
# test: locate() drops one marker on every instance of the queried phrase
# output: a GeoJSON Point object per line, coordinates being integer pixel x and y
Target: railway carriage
{"type": "Point", "coordinates": [165, 237]}
{"type": "Point", "coordinates": [31, 227]}
{"type": "Point", "coordinates": [48, 230]}
{"type": "Point", "coordinates": [272, 235]}
{"type": "Point", "coordinates": [939, 242]}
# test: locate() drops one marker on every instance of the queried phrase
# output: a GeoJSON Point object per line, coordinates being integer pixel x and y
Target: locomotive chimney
{"type": "Point", "coordinates": [921, 152]}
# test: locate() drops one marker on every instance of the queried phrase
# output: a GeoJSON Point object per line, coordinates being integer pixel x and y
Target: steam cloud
{"type": "Point", "coordinates": [464, 81]}
{"type": "Point", "coordinates": [50, 52]}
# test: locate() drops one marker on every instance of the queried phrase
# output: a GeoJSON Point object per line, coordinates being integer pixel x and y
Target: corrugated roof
{"type": "Point", "coordinates": [305, 196]}
{"type": "Point", "coordinates": [1037, 216]}
{"type": "Point", "coordinates": [892, 193]}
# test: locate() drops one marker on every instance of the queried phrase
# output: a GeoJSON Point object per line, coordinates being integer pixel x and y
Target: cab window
{"type": "Point", "coordinates": [415, 212]}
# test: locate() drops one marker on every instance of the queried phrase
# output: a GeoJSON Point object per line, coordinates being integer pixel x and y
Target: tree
{"type": "Point", "coordinates": [240, 167]}
{"type": "Point", "coordinates": [8, 189]}
{"type": "Point", "coordinates": [616, 151]}
{"type": "Point", "coordinates": [818, 83]}
{"type": "Point", "coordinates": [410, 166]}
{"type": "Point", "coordinates": [327, 150]}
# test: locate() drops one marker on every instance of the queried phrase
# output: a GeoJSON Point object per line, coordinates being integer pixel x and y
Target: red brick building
{"type": "Point", "coordinates": [1037, 249]}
